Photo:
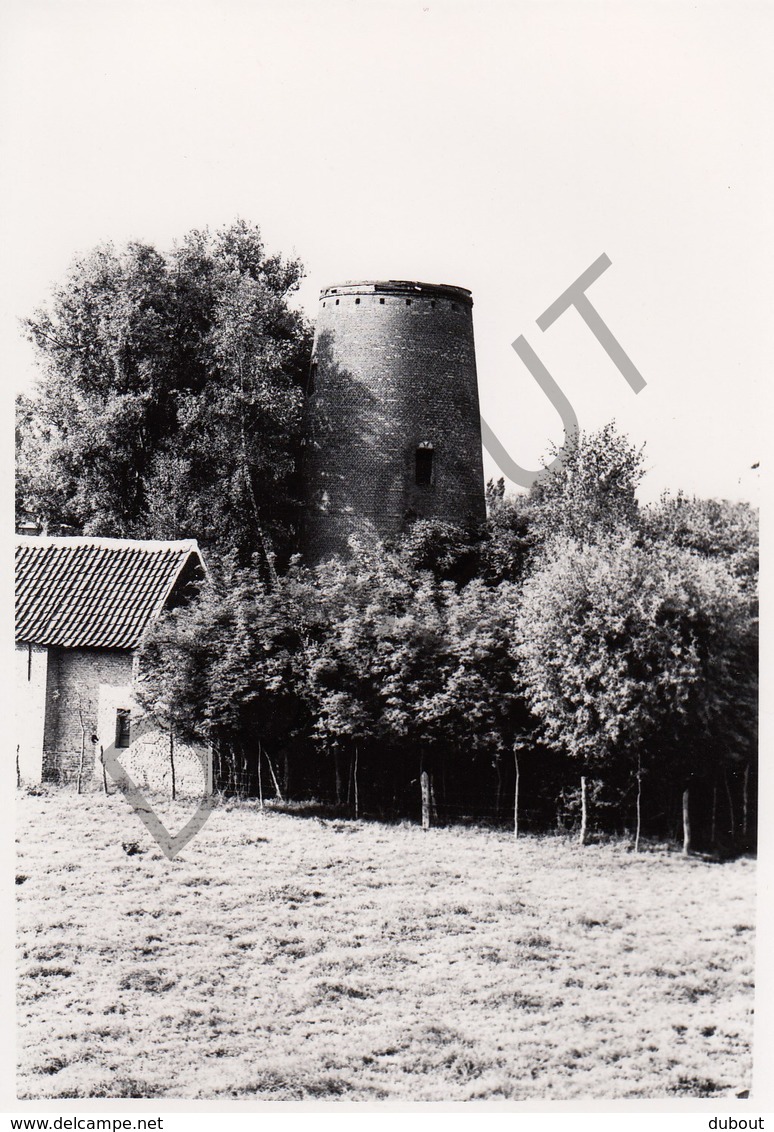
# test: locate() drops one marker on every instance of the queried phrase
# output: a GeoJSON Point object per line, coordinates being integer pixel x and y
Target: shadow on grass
{"type": "Point", "coordinates": [326, 811]}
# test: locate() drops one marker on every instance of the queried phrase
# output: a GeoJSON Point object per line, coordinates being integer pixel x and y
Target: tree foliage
{"type": "Point", "coordinates": [638, 653]}
{"type": "Point", "coordinates": [231, 667]}
{"type": "Point", "coordinates": [511, 536]}
{"type": "Point", "coordinates": [626, 651]}
{"type": "Point", "coordinates": [169, 402]}
{"type": "Point", "coordinates": [592, 490]}
{"type": "Point", "coordinates": [713, 528]}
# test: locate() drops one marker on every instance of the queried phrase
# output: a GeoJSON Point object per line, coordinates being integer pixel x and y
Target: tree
{"type": "Point", "coordinates": [479, 703]}
{"type": "Point", "coordinates": [713, 528]}
{"type": "Point", "coordinates": [511, 535]}
{"type": "Point", "coordinates": [169, 403]}
{"type": "Point", "coordinates": [631, 655]}
{"type": "Point", "coordinates": [414, 665]}
{"type": "Point", "coordinates": [358, 599]}
{"type": "Point", "coordinates": [230, 667]}
{"type": "Point", "coordinates": [720, 530]}
{"type": "Point", "coordinates": [592, 491]}
{"type": "Point", "coordinates": [448, 551]}
{"type": "Point", "coordinates": [382, 659]}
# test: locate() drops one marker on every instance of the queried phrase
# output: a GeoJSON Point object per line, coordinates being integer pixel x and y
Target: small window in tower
{"type": "Point", "coordinates": [357, 302]}
{"type": "Point", "coordinates": [337, 302]}
{"type": "Point", "coordinates": [123, 727]}
{"type": "Point", "coordinates": [432, 303]}
{"type": "Point", "coordinates": [382, 301]}
{"type": "Point", "coordinates": [423, 465]}
{"type": "Point", "coordinates": [408, 302]}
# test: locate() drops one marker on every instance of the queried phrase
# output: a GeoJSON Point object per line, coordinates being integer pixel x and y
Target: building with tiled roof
{"type": "Point", "coordinates": [82, 606]}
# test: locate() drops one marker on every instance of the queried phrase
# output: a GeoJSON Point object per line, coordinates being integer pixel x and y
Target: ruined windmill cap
{"type": "Point", "coordinates": [405, 288]}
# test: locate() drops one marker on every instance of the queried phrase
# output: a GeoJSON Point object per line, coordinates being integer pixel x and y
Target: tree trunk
{"type": "Point", "coordinates": [81, 760]}
{"type": "Point", "coordinates": [274, 778]}
{"type": "Point", "coordinates": [18, 768]}
{"type": "Point", "coordinates": [584, 811]}
{"type": "Point", "coordinates": [745, 799]}
{"type": "Point", "coordinates": [714, 822]}
{"type": "Point", "coordinates": [260, 776]}
{"type": "Point", "coordinates": [424, 783]}
{"type": "Point", "coordinates": [673, 807]}
{"type": "Point", "coordinates": [172, 762]}
{"type": "Point", "coordinates": [268, 557]}
{"type": "Point", "coordinates": [434, 818]}
{"type": "Point", "coordinates": [639, 805]}
{"type": "Point", "coordinates": [286, 774]}
{"type": "Point", "coordinates": [354, 784]}
{"type": "Point", "coordinates": [516, 793]}
{"type": "Point", "coordinates": [686, 824]}
{"type": "Point", "coordinates": [731, 818]}
{"type": "Point", "coordinates": [499, 790]}
{"type": "Point", "coordinates": [337, 771]}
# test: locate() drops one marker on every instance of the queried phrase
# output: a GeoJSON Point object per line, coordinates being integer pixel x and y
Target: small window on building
{"type": "Point", "coordinates": [123, 727]}
{"type": "Point", "coordinates": [337, 302]}
{"type": "Point", "coordinates": [382, 301]}
{"type": "Point", "coordinates": [423, 464]}
{"type": "Point", "coordinates": [432, 303]}
{"type": "Point", "coordinates": [408, 302]}
{"type": "Point", "coordinates": [357, 302]}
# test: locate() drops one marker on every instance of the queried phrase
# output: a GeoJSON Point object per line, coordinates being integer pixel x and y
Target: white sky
{"type": "Point", "coordinates": [499, 146]}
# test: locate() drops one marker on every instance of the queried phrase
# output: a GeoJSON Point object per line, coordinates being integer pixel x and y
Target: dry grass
{"type": "Point", "coordinates": [283, 958]}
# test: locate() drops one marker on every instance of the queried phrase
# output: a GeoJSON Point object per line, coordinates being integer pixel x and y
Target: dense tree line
{"type": "Point", "coordinates": [582, 663]}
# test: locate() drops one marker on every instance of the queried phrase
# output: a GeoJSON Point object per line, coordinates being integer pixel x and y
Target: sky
{"type": "Point", "coordinates": [502, 147]}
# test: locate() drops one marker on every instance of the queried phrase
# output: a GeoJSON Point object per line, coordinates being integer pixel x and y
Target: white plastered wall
{"type": "Point", "coordinates": [31, 674]}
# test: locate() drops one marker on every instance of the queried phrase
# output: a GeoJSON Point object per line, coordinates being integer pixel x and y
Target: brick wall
{"type": "Point", "coordinates": [149, 762]}
{"type": "Point", "coordinates": [72, 706]}
{"type": "Point", "coordinates": [394, 366]}
{"type": "Point", "coordinates": [151, 757]}
{"type": "Point", "coordinates": [84, 690]}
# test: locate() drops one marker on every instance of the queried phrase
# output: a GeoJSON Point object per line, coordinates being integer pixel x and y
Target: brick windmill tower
{"type": "Point", "coordinates": [392, 412]}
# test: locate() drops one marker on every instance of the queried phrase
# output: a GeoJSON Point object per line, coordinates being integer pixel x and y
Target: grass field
{"type": "Point", "coordinates": [282, 957]}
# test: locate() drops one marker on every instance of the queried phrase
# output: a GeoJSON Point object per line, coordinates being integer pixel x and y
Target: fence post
{"type": "Point", "coordinates": [354, 780]}
{"type": "Point", "coordinates": [424, 782]}
{"type": "Point", "coordinates": [686, 824]}
{"type": "Point", "coordinates": [584, 811]}
{"type": "Point", "coordinates": [172, 762]}
{"type": "Point", "coordinates": [516, 792]}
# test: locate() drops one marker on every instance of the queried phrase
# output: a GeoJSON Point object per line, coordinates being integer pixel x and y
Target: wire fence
{"type": "Point", "coordinates": [545, 799]}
